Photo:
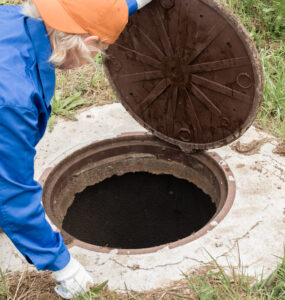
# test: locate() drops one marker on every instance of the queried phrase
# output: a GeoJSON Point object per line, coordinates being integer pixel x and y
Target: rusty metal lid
{"type": "Point", "coordinates": [187, 71]}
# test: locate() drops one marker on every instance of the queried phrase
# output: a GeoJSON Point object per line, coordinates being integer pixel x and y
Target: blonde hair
{"type": "Point", "coordinates": [62, 42]}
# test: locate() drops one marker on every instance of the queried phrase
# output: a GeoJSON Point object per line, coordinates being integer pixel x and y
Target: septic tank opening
{"type": "Point", "coordinates": [138, 210]}
{"type": "Point", "coordinates": [124, 171]}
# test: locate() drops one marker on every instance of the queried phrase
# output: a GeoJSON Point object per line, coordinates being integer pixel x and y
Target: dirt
{"type": "Point", "coordinates": [249, 148]}
{"type": "Point", "coordinates": [280, 149]}
{"type": "Point", "coordinates": [239, 166]}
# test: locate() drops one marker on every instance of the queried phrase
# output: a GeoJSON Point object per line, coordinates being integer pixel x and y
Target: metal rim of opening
{"type": "Point", "coordinates": [136, 145]}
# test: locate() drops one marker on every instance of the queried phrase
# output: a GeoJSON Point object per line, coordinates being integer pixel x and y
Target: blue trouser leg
{"type": "Point", "coordinates": [22, 218]}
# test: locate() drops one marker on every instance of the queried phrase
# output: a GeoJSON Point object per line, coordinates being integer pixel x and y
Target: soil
{"type": "Point", "coordinates": [280, 149]}
{"type": "Point", "coordinates": [250, 148]}
{"type": "Point", "coordinates": [138, 210]}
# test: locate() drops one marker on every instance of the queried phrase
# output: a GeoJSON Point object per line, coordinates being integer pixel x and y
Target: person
{"type": "Point", "coordinates": [35, 39]}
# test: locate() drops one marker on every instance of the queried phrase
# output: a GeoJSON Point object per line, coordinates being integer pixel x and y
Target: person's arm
{"type": "Point", "coordinates": [22, 215]}
{"type": "Point", "coordinates": [135, 5]}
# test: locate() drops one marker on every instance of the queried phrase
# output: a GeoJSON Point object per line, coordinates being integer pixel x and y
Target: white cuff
{"type": "Point", "coordinates": [74, 280]}
{"type": "Point", "coordinates": [68, 271]}
{"type": "Point", "coordinates": [142, 3]}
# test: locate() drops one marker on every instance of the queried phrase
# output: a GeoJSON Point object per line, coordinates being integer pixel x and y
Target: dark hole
{"type": "Point", "coordinates": [138, 210]}
{"type": "Point", "coordinates": [201, 16]}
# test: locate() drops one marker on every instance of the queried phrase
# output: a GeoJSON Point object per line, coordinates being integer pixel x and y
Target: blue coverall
{"type": "Point", "coordinates": [27, 83]}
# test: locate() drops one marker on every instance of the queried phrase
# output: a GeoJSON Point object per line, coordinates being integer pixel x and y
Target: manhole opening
{"type": "Point", "coordinates": [138, 210]}
{"type": "Point", "coordinates": [137, 194]}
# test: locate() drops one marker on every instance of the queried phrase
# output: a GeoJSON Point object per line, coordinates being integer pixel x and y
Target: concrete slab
{"type": "Point", "coordinates": [253, 232]}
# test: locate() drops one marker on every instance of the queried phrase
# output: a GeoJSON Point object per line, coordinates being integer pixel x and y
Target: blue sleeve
{"type": "Point", "coordinates": [22, 215]}
{"type": "Point", "coordinates": [133, 6]}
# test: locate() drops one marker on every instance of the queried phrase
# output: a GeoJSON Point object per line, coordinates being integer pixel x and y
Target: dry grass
{"type": "Point", "coordinates": [40, 286]}
{"type": "Point", "coordinates": [207, 283]}
{"type": "Point", "coordinates": [29, 286]}
{"type": "Point", "coordinates": [90, 80]}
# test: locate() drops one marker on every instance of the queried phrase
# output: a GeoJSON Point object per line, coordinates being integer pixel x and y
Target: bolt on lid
{"type": "Point", "coordinates": [187, 71]}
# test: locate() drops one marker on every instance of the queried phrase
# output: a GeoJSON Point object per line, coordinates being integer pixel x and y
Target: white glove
{"type": "Point", "coordinates": [74, 280]}
{"type": "Point", "coordinates": [142, 3]}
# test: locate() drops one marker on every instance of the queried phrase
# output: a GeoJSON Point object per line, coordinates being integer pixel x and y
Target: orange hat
{"type": "Point", "coordinates": [103, 18]}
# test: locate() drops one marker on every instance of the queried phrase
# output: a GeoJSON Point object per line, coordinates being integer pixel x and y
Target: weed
{"type": "Point", "coordinates": [274, 285]}
{"type": "Point", "coordinates": [94, 292]}
{"type": "Point", "coordinates": [66, 107]}
{"type": "Point", "coordinates": [265, 21]}
{"type": "Point", "coordinates": [272, 112]}
{"type": "Point", "coordinates": [4, 289]}
{"type": "Point", "coordinates": [217, 284]}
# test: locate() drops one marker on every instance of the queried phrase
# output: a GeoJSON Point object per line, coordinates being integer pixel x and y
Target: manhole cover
{"type": "Point", "coordinates": [188, 71]}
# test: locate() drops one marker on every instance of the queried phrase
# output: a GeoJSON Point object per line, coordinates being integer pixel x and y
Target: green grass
{"type": "Point", "coordinates": [273, 108]}
{"type": "Point", "coordinates": [4, 289]}
{"type": "Point", "coordinates": [65, 107]}
{"type": "Point", "coordinates": [219, 285]}
{"type": "Point", "coordinates": [274, 286]}
{"type": "Point", "coordinates": [265, 21]}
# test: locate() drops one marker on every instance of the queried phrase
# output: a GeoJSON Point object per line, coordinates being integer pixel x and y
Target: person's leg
{"type": "Point", "coordinates": [22, 218]}
{"type": "Point", "coordinates": [44, 248]}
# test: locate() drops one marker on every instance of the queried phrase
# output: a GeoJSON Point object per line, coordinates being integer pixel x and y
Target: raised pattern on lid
{"type": "Point", "coordinates": [187, 71]}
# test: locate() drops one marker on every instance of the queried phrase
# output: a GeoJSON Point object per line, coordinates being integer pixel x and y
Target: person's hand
{"type": "Point", "coordinates": [74, 280]}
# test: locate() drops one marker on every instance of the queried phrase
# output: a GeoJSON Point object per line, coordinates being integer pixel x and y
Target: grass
{"type": "Point", "coordinates": [90, 80]}
{"type": "Point", "coordinates": [210, 282]}
{"type": "Point", "coordinates": [265, 21]}
{"type": "Point", "coordinates": [219, 285]}
{"type": "Point", "coordinates": [11, 2]}
{"type": "Point", "coordinates": [66, 107]}
{"type": "Point", "coordinates": [4, 289]}
{"type": "Point", "coordinates": [272, 111]}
